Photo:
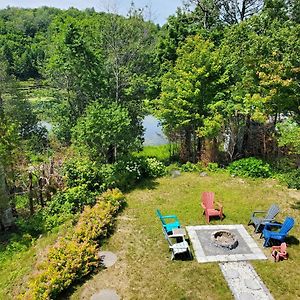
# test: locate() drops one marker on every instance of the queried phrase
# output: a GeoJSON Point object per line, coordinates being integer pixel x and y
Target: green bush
{"type": "Point", "coordinates": [250, 167]}
{"type": "Point", "coordinates": [190, 167]}
{"type": "Point", "coordinates": [213, 167]}
{"type": "Point", "coordinates": [154, 168]}
{"type": "Point", "coordinates": [75, 256]}
{"type": "Point", "coordinates": [291, 179]}
{"type": "Point", "coordinates": [83, 172]}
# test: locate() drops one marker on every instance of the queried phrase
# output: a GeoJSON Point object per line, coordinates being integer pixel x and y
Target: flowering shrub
{"type": "Point", "coordinates": [75, 256]}
{"type": "Point", "coordinates": [154, 168]}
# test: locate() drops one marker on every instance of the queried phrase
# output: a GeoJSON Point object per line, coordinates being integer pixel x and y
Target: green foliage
{"type": "Point", "coordinates": [290, 136]}
{"type": "Point", "coordinates": [105, 132]}
{"type": "Point", "coordinates": [83, 172]}
{"type": "Point", "coordinates": [190, 167]}
{"type": "Point", "coordinates": [154, 168]}
{"type": "Point", "coordinates": [250, 167]}
{"type": "Point", "coordinates": [292, 179]}
{"type": "Point", "coordinates": [66, 262]}
{"type": "Point", "coordinates": [75, 256]}
{"type": "Point", "coordinates": [213, 167]}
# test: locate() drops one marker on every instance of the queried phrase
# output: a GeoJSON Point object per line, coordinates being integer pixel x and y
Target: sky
{"type": "Point", "coordinates": [159, 9]}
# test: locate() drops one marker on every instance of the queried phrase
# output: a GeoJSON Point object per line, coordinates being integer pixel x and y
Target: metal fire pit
{"type": "Point", "coordinates": [224, 239]}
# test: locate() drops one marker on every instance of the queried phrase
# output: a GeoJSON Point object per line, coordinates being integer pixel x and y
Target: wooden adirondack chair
{"type": "Point", "coordinates": [168, 226]}
{"type": "Point", "coordinates": [279, 252]}
{"type": "Point", "coordinates": [177, 248]}
{"type": "Point", "coordinates": [280, 235]}
{"type": "Point", "coordinates": [208, 206]}
{"type": "Point", "coordinates": [259, 222]}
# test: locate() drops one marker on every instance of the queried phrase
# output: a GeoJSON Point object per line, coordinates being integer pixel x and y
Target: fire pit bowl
{"type": "Point", "coordinates": [224, 239]}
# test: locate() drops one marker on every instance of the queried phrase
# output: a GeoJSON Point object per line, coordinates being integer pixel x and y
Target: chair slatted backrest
{"type": "Point", "coordinates": [287, 225]}
{"type": "Point", "coordinates": [272, 212]}
{"type": "Point", "coordinates": [158, 213]}
{"type": "Point", "coordinates": [208, 199]}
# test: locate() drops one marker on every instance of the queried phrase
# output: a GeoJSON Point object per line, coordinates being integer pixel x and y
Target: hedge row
{"type": "Point", "coordinates": [75, 256]}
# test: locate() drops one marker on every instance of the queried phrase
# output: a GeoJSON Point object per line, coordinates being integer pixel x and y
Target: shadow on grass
{"type": "Point", "coordinates": [292, 240]}
{"type": "Point", "coordinates": [296, 205]}
{"type": "Point", "coordinates": [72, 289]}
{"type": "Point", "coordinates": [146, 184]}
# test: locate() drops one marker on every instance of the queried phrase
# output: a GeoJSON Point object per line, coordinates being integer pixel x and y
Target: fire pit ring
{"type": "Point", "coordinates": [224, 239]}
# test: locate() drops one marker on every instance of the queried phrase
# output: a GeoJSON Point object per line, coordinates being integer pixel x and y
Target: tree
{"type": "Point", "coordinates": [187, 91]}
{"type": "Point", "coordinates": [229, 12]}
{"type": "Point", "coordinates": [105, 132]}
{"type": "Point", "coordinates": [75, 70]}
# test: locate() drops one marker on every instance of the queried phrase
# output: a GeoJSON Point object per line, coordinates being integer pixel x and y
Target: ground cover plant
{"type": "Point", "coordinates": [144, 269]}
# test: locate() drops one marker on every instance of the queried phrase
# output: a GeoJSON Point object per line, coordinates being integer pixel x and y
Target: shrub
{"type": "Point", "coordinates": [154, 168]}
{"type": "Point", "coordinates": [250, 167]}
{"type": "Point", "coordinates": [75, 256]}
{"type": "Point", "coordinates": [213, 167]}
{"type": "Point", "coordinates": [66, 262]}
{"type": "Point", "coordinates": [291, 179]}
{"type": "Point", "coordinates": [128, 172]}
{"type": "Point", "coordinates": [83, 172]}
{"type": "Point", "coordinates": [115, 197]}
{"type": "Point", "coordinates": [190, 167]}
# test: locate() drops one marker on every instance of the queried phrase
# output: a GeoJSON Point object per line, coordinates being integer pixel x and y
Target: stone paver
{"type": "Point", "coordinates": [244, 282]}
{"type": "Point", "coordinates": [107, 294]}
{"type": "Point", "coordinates": [108, 258]}
{"type": "Point", "coordinates": [205, 251]}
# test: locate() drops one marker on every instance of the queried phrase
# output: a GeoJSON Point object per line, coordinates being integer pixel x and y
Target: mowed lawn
{"type": "Point", "coordinates": [144, 269]}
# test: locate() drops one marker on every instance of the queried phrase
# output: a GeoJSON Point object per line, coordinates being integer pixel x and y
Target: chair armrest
{"type": "Point", "coordinates": [269, 225]}
{"type": "Point", "coordinates": [258, 212]}
{"type": "Point", "coordinates": [269, 221]}
{"type": "Point", "coordinates": [219, 205]}
{"type": "Point", "coordinates": [169, 217]}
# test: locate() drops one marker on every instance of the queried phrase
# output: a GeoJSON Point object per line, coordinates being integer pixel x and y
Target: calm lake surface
{"type": "Point", "coordinates": [153, 131]}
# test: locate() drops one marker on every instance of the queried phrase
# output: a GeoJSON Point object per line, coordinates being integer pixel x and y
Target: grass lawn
{"type": "Point", "coordinates": [144, 269]}
{"type": "Point", "coordinates": [16, 269]}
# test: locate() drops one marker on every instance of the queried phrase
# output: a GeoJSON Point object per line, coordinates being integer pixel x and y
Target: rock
{"type": "Point", "coordinates": [203, 174]}
{"type": "Point", "coordinates": [175, 173]}
{"type": "Point", "coordinates": [108, 258]}
{"type": "Point", "coordinates": [106, 294]}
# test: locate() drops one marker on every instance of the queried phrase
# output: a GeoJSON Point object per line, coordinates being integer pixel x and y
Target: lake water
{"type": "Point", "coordinates": [153, 134]}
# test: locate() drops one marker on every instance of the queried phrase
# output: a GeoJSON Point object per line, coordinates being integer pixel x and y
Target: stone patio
{"type": "Point", "coordinates": [206, 251]}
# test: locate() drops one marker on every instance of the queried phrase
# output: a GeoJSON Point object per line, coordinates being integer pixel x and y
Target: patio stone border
{"type": "Point", "coordinates": [256, 252]}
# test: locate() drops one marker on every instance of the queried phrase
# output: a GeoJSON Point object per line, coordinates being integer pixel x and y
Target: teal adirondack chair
{"type": "Point", "coordinates": [168, 226]}
{"type": "Point", "coordinates": [279, 235]}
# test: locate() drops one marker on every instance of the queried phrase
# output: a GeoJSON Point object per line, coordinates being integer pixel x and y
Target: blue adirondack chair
{"type": "Point", "coordinates": [168, 226]}
{"type": "Point", "coordinates": [279, 235]}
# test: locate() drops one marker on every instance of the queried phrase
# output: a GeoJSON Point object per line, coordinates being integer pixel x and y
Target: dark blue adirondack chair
{"type": "Point", "coordinates": [168, 226]}
{"type": "Point", "coordinates": [279, 235]}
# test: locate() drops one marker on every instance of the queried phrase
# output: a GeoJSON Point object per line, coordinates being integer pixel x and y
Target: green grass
{"type": "Point", "coordinates": [163, 153]}
{"type": "Point", "coordinates": [17, 266]}
{"type": "Point", "coordinates": [144, 269]}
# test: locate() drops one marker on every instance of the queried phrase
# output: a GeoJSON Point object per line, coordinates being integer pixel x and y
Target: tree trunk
{"type": "Point", "coordinates": [30, 194]}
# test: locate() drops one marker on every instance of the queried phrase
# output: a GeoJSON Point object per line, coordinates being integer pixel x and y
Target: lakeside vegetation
{"type": "Point", "coordinates": [224, 83]}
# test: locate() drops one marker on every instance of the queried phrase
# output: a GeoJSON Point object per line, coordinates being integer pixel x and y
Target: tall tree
{"type": "Point", "coordinates": [187, 91]}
